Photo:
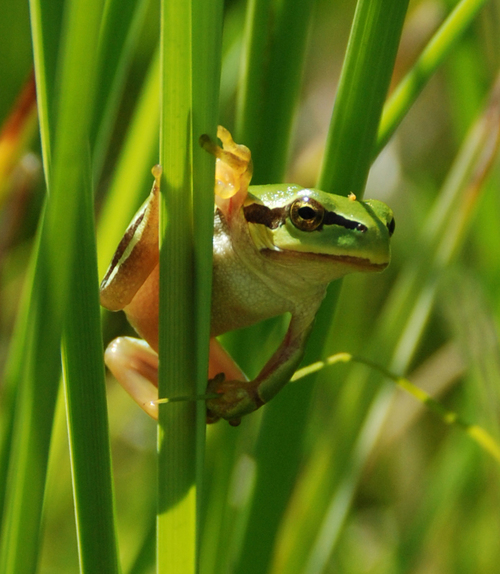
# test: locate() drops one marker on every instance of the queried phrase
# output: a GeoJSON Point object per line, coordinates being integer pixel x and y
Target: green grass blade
{"type": "Point", "coordinates": [177, 495]}
{"type": "Point", "coordinates": [275, 40]}
{"type": "Point", "coordinates": [66, 169]}
{"type": "Point", "coordinates": [132, 176]}
{"type": "Point", "coordinates": [394, 341]}
{"type": "Point", "coordinates": [121, 24]}
{"type": "Point", "coordinates": [441, 44]}
{"type": "Point", "coordinates": [11, 378]}
{"type": "Point", "coordinates": [206, 58]}
{"type": "Point", "coordinates": [87, 411]}
{"type": "Point", "coordinates": [363, 86]}
{"type": "Point", "coordinates": [38, 383]}
{"type": "Point", "coordinates": [46, 19]}
{"type": "Point", "coordinates": [190, 52]}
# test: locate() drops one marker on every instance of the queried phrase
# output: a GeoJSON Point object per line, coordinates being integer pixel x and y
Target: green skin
{"type": "Point", "coordinates": [261, 272]}
{"type": "Point", "coordinates": [276, 249]}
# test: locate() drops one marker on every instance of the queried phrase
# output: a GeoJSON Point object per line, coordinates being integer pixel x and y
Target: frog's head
{"type": "Point", "coordinates": [353, 234]}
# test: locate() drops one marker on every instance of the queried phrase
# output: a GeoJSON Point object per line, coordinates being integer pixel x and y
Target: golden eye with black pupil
{"type": "Point", "coordinates": [306, 214]}
{"type": "Point", "coordinates": [391, 226]}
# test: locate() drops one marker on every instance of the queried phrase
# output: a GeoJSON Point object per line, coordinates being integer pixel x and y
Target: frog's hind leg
{"type": "Point", "coordinates": [135, 366]}
{"type": "Point", "coordinates": [222, 362]}
{"type": "Point", "coordinates": [137, 254]}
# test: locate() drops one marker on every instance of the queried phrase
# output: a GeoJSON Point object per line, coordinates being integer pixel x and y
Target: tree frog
{"type": "Point", "coordinates": [275, 250]}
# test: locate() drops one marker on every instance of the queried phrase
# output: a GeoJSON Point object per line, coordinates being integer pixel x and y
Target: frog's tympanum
{"type": "Point", "coordinates": [275, 250]}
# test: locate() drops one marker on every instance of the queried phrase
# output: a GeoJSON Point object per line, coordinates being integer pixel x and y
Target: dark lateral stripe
{"type": "Point", "coordinates": [332, 218]}
{"type": "Point", "coordinates": [120, 250]}
{"type": "Point", "coordinates": [272, 218]}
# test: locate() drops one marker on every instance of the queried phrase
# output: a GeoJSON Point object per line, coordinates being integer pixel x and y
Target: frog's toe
{"type": "Point", "coordinates": [235, 399]}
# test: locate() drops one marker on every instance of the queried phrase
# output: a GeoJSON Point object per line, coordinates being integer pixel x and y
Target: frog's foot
{"type": "Point", "coordinates": [233, 169]}
{"type": "Point", "coordinates": [236, 398]}
{"type": "Point", "coordinates": [135, 365]}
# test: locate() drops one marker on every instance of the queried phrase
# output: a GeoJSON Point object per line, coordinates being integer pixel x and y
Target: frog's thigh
{"type": "Point", "coordinates": [135, 366]}
{"type": "Point", "coordinates": [222, 362]}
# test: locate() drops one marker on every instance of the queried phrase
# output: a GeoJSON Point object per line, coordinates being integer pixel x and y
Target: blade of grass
{"type": "Point", "coordinates": [363, 86]}
{"type": "Point", "coordinates": [46, 22]}
{"type": "Point", "coordinates": [37, 383]}
{"type": "Point", "coordinates": [272, 65]}
{"type": "Point", "coordinates": [394, 342]}
{"type": "Point", "coordinates": [121, 24]}
{"type": "Point", "coordinates": [176, 523]}
{"type": "Point", "coordinates": [478, 434]}
{"type": "Point", "coordinates": [14, 134]}
{"type": "Point", "coordinates": [191, 47]}
{"type": "Point", "coordinates": [49, 296]}
{"type": "Point", "coordinates": [440, 45]}
{"type": "Point", "coordinates": [132, 175]}
{"type": "Point", "coordinates": [206, 73]}
{"type": "Point", "coordinates": [87, 409]}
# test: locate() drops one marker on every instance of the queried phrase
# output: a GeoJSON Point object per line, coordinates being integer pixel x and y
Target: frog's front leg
{"type": "Point", "coordinates": [135, 366]}
{"type": "Point", "coordinates": [233, 171]}
{"type": "Point", "coordinates": [238, 397]}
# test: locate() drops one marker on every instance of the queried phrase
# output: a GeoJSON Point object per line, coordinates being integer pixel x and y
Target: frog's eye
{"type": "Point", "coordinates": [391, 226]}
{"type": "Point", "coordinates": [306, 214]}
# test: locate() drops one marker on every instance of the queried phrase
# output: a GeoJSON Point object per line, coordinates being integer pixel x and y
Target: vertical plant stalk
{"type": "Point", "coordinates": [404, 321]}
{"type": "Point", "coordinates": [64, 138]}
{"type": "Point", "coordinates": [272, 65]}
{"type": "Point", "coordinates": [121, 26]}
{"type": "Point", "coordinates": [16, 131]}
{"type": "Point", "coordinates": [363, 86]}
{"type": "Point", "coordinates": [34, 409]}
{"type": "Point", "coordinates": [86, 408]}
{"type": "Point", "coordinates": [364, 83]}
{"type": "Point", "coordinates": [190, 78]}
{"type": "Point", "coordinates": [133, 165]}
{"type": "Point", "coordinates": [206, 71]}
{"type": "Point", "coordinates": [176, 522]}
{"type": "Point", "coordinates": [432, 57]}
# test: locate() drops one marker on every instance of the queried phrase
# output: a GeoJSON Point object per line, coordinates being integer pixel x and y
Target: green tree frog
{"type": "Point", "coordinates": [275, 250]}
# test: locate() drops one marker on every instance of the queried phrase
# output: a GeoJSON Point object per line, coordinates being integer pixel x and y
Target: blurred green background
{"type": "Point", "coordinates": [376, 483]}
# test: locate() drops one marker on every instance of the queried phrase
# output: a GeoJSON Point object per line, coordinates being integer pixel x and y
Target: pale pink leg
{"type": "Point", "coordinates": [222, 362]}
{"type": "Point", "coordinates": [135, 366]}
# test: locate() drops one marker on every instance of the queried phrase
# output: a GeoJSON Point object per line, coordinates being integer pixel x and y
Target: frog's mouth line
{"type": "Point", "coordinates": [359, 263]}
